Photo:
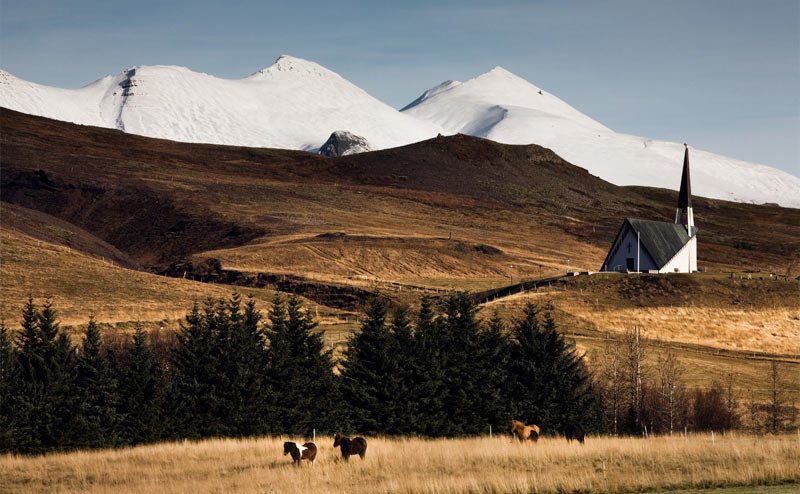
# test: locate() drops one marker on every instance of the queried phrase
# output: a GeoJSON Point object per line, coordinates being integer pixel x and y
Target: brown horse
{"type": "Point", "coordinates": [524, 432]}
{"type": "Point", "coordinates": [355, 446]}
{"type": "Point", "coordinates": [306, 451]}
{"type": "Point", "coordinates": [574, 431]}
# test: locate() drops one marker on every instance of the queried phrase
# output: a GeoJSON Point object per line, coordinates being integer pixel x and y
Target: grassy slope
{"type": "Point", "coordinates": [760, 314]}
{"type": "Point", "coordinates": [80, 285]}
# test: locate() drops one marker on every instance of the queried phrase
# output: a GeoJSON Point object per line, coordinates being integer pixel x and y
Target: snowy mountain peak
{"type": "Point", "coordinates": [503, 107]}
{"type": "Point", "coordinates": [500, 71]}
{"type": "Point", "coordinates": [292, 104]}
{"type": "Point", "coordinates": [286, 65]}
{"type": "Point", "coordinates": [483, 106]}
{"type": "Point", "coordinates": [499, 74]}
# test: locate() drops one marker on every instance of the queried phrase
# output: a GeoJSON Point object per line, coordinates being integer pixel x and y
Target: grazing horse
{"type": "Point", "coordinates": [525, 432]}
{"type": "Point", "coordinates": [574, 431]}
{"type": "Point", "coordinates": [306, 451]}
{"type": "Point", "coordinates": [355, 446]}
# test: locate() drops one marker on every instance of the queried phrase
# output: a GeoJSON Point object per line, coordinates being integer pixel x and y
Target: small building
{"type": "Point", "coordinates": [643, 246]}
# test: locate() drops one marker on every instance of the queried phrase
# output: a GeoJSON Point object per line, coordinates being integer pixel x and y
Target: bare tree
{"type": "Point", "coordinates": [731, 400]}
{"type": "Point", "coordinates": [670, 388]}
{"type": "Point", "coordinates": [753, 411]}
{"type": "Point", "coordinates": [611, 383]}
{"type": "Point", "coordinates": [633, 361]}
{"type": "Point", "coordinates": [774, 408]}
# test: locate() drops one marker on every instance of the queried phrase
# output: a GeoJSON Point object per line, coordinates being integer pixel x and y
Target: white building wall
{"type": "Point", "coordinates": [619, 259]}
{"type": "Point", "coordinates": [685, 261]}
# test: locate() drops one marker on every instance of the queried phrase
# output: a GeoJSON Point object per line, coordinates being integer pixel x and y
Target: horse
{"type": "Point", "coordinates": [525, 432]}
{"type": "Point", "coordinates": [305, 451]}
{"type": "Point", "coordinates": [574, 431]}
{"type": "Point", "coordinates": [355, 446]}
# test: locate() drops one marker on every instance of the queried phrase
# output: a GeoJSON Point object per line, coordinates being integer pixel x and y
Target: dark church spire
{"type": "Point", "coordinates": [685, 196]}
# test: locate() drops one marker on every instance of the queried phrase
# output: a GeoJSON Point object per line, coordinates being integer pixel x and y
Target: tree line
{"type": "Point", "coordinates": [232, 371]}
{"type": "Point", "coordinates": [235, 372]}
{"type": "Point", "coordinates": [643, 389]}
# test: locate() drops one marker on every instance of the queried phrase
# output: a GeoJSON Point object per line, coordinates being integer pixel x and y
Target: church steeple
{"type": "Point", "coordinates": [685, 195]}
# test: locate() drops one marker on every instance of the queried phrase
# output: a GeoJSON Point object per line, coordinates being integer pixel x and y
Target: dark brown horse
{"type": "Point", "coordinates": [305, 451]}
{"type": "Point", "coordinates": [524, 432]}
{"type": "Point", "coordinates": [349, 447]}
{"type": "Point", "coordinates": [574, 431]}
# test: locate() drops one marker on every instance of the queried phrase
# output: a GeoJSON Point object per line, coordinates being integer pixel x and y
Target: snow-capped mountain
{"type": "Point", "coordinates": [293, 104]}
{"type": "Point", "coordinates": [502, 107]}
{"type": "Point", "coordinates": [297, 104]}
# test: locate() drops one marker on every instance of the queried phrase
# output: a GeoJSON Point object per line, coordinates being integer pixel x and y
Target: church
{"type": "Point", "coordinates": [644, 246]}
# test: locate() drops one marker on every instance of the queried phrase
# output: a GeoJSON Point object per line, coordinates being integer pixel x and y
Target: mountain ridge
{"type": "Point", "coordinates": [297, 104]}
{"type": "Point", "coordinates": [503, 107]}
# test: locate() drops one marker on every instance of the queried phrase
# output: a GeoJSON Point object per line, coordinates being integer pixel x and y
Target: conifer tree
{"type": "Point", "coordinates": [547, 382]}
{"type": "Point", "coordinates": [404, 414]}
{"type": "Point", "coordinates": [493, 353]}
{"type": "Point", "coordinates": [300, 373]}
{"type": "Point", "coordinates": [42, 399]}
{"type": "Point", "coordinates": [430, 344]}
{"type": "Point", "coordinates": [95, 393]}
{"type": "Point", "coordinates": [8, 373]}
{"type": "Point", "coordinates": [370, 377]}
{"type": "Point", "coordinates": [242, 359]}
{"type": "Point", "coordinates": [141, 392]}
{"type": "Point", "coordinates": [192, 399]}
{"type": "Point", "coordinates": [474, 364]}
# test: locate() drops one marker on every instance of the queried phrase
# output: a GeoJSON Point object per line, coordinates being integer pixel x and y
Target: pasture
{"type": "Point", "coordinates": [476, 465]}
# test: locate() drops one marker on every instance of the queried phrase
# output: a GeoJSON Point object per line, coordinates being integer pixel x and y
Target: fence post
{"type": "Point", "coordinates": [314, 433]}
{"type": "Point", "coordinates": [490, 431]}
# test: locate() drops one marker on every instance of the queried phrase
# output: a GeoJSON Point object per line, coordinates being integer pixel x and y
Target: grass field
{"type": "Point", "coordinates": [473, 465]}
{"type": "Point", "coordinates": [80, 285]}
{"type": "Point", "coordinates": [709, 309]}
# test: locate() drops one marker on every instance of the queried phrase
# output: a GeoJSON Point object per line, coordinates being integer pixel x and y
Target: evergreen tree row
{"type": "Point", "coordinates": [232, 372]}
{"type": "Point", "coordinates": [453, 375]}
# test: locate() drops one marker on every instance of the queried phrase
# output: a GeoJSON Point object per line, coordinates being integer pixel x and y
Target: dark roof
{"type": "Point", "coordinates": [685, 195]}
{"type": "Point", "coordinates": [661, 239]}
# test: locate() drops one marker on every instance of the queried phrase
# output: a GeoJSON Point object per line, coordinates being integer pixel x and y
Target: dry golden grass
{"type": "Point", "coordinates": [80, 285]}
{"type": "Point", "coordinates": [761, 330]}
{"type": "Point", "coordinates": [478, 465]}
{"type": "Point", "coordinates": [702, 367]}
{"type": "Point", "coordinates": [700, 314]}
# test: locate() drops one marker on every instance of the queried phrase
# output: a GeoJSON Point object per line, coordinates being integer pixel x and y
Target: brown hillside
{"type": "Point", "coordinates": [46, 228]}
{"type": "Point", "coordinates": [159, 201]}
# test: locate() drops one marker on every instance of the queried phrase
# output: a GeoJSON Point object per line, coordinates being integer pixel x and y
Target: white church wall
{"type": "Point", "coordinates": [625, 249]}
{"type": "Point", "coordinates": [685, 261]}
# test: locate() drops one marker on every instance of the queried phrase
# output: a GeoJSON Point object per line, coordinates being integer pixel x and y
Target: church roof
{"type": "Point", "coordinates": [661, 239]}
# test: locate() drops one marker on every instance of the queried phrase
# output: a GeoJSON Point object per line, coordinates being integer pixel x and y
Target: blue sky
{"type": "Point", "coordinates": [721, 75]}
